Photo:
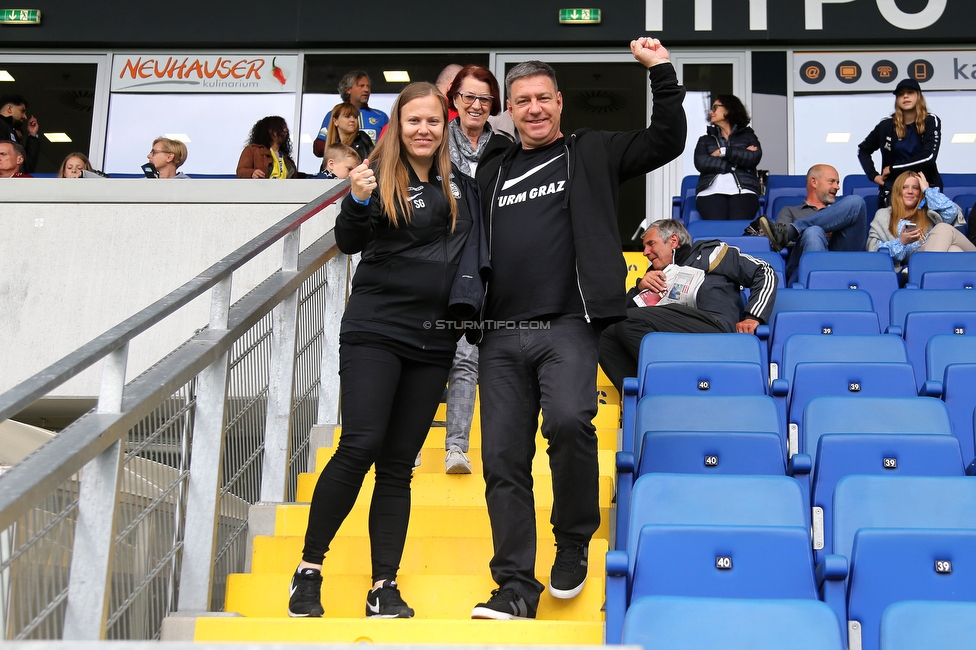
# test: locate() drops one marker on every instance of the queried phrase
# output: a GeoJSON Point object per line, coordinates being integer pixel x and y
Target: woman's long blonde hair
{"type": "Point", "coordinates": [921, 114]}
{"type": "Point", "coordinates": [389, 159]}
{"type": "Point", "coordinates": [340, 110]}
{"type": "Point", "coordinates": [899, 211]}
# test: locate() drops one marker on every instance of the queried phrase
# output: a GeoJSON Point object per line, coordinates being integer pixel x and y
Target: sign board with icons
{"type": "Point", "coordinates": [209, 73]}
{"type": "Point", "coordinates": [823, 72]}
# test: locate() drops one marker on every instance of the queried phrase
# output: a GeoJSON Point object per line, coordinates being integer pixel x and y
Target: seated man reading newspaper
{"type": "Point", "coordinates": [687, 288]}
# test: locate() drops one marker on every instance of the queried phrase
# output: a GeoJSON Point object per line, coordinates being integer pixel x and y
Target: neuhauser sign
{"type": "Point", "coordinates": [191, 73]}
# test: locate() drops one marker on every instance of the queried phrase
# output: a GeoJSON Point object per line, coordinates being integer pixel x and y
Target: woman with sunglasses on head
{"type": "Point", "coordinates": [909, 141]}
{"type": "Point", "coordinates": [920, 218]}
{"type": "Point", "coordinates": [410, 214]}
{"type": "Point", "coordinates": [727, 156]}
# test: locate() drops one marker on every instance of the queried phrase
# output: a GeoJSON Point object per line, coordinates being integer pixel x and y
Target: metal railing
{"type": "Point", "coordinates": [140, 507]}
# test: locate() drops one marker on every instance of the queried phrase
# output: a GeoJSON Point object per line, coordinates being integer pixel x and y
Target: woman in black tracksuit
{"type": "Point", "coordinates": [727, 156]}
{"type": "Point", "coordinates": [394, 347]}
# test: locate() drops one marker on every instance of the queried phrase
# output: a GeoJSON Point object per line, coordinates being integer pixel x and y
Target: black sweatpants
{"type": "Point", "coordinates": [620, 343]}
{"type": "Point", "coordinates": [520, 371]}
{"type": "Point", "coordinates": [730, 207]}
{"type": "Point", "coordinates": [388, 403]}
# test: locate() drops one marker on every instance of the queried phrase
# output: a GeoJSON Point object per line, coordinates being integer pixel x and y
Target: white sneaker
{"type": "Point", "coordinates": [417, 461]}
{"type": "Point", "coordinates": [456, 462]}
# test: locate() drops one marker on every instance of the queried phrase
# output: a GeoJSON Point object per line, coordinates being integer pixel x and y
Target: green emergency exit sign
{"type": "Point", "coordinates": [20, 16]}
{"type": "Point", "coordinates": [579, 16]}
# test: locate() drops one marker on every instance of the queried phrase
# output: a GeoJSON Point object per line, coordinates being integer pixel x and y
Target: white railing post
{"type": "Point", "coordinates": [93, 552]}
{"type": "Point", "coordinates": [281, 384]}
{"type": "Point", "coordinates": [206, 465]}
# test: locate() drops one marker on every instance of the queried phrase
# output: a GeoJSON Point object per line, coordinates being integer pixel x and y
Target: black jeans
{"type": "Point", "coordinates": [521, 371]}
{"type": "Point", "coordinates": [620, 343]}
{"type": "Point", "coordinates": [388, 403]}
{"type": "Point", "coordinates": [732, 207]}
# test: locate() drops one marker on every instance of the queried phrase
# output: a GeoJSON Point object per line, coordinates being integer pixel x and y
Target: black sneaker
{"type": "Point", "coordinates": [568, 571]}
{"type": "Point", "coordinates": [385, 602]}
{"type": "Point", "coordinates": [504, 605]}
{"type": "Point", "coordinates": [779, 234]}
{"type": "Point", "coordinates": [305, 594]}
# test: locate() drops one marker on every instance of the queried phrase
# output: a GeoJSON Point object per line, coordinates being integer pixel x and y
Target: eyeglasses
{"type": "Point", "coordinates": [470, 98]}
{"type": "Point", "coordinates": [153, 152]}
{"type": "Point", "coordinates": [715, 106]}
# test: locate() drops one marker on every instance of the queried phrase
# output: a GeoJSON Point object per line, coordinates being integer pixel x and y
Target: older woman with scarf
{"type": "Point", "coordinates": [474, 94]}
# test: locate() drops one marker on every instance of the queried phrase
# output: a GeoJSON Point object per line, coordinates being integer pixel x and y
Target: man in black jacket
{"type": "Point", "coordinates": [15, 126]}
{"type": "Point", "coordinates": [550, 209]}
{"type": "Point", "coordinates": [716, 308]}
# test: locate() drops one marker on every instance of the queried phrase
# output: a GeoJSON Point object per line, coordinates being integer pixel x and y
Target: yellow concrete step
{"type": "Point", "coordinates": [425, 521]}
{"type": "Point", "coordinates": [431, 596]}
{"type": "Point", "coordinates": [398, 631]}
{"type": "Point", "coordinates": [432, 460]}
{"type": "Point", "coordinates": [454, 490]}
{"type": "Point", "coordinates": [458, 556]}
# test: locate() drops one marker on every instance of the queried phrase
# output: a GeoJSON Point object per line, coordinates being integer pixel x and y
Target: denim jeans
{"type": "Point", "coordinates": [462, 386]}
{"type": "Point", "coordinates": [846, 219]}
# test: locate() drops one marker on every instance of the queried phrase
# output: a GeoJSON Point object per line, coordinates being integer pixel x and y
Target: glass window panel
{"type": "Point", "coordinates": [314, 108]}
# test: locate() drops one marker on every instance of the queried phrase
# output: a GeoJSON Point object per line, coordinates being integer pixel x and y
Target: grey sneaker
{"type": "Point", "coordinates": [780, 235]}
{"type": "Point", "coordinates": [504, 605]}
{"type": "Point", "coordinates": [456, 461]}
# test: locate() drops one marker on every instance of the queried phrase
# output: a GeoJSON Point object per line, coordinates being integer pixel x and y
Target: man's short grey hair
{"type": "Point", "coordinates": [529, 69]}
{"type": "Point", "coordinates": [668, 227]}
{"type": "Point", "coordinates": [348, 81]}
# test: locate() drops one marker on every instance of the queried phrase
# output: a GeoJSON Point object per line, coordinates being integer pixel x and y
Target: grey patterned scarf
{"type": "Point", "coordinates": [462, 153]}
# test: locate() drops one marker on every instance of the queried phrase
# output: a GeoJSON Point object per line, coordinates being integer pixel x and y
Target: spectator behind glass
{"type": "Point", "coordinates": [11, 159]}
{"type": "Point", "coordinates": [268, 151]}
{"type": "Point", "coordinates": [339, 161]}
{"type": "Point", "coordinates": [344, 128]}
{"type": "Point", "coordinates": [727, 156]}
{"type": "Point", "coordinates": [15, 126]}
{"type": "Point", "coordinates": [74, 164]}
{"type": "Point", "coordinates": [920, 219]}
{"type": "Point", "coordinates": [354, 88]}
{"type": "Point", "coordinates": [167, 156]}
{"type": "Point", "coordinates": [909, 141]}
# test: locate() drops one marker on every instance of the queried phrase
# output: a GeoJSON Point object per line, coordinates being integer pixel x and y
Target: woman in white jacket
{"type": "Point", "coordinates": [920, 218]}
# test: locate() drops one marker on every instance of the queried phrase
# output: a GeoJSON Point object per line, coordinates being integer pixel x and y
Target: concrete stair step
{"type": "Point", "coordinates": [466, 556]}
{"type": "Point", "coordinates": [425, 521]}
{"type": "Point", "coordinates": [398, 631]}
{"type": "Point", "coordinates": [454, 489]}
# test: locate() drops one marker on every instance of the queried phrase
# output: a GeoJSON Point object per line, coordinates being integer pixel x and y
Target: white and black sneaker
{"type": "Point", "coordinates": [568, 571]}
{"type": "Point", "coordinates": [504, 605]}
{"type": "Point", "coordinates": [305, 594]}
{"type": "Point", "coordinates": [385, 602]}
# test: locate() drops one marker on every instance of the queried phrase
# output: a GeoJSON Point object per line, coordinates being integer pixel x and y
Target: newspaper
{"type": "Point", "coordinates": [682, 289]}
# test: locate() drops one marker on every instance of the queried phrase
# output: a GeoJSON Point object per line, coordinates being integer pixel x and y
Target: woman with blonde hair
{"type": "Point", "coordinates": [73, 165]}
{"type": "Point", "coordinates": [909, 141]}
{"type": "Point", "coordinates": [344, 128]}
{"type": "Point", "coordinates": [409, 213]}
{"type": "Point", "coordinates": [920, 218]}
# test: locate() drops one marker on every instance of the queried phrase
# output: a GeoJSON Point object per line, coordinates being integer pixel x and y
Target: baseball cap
{"type": "Point", "coordinates": [907, 83]}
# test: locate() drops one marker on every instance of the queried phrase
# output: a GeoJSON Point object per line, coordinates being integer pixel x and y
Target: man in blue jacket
{"type": "Point", "coordinates": [557, 278]}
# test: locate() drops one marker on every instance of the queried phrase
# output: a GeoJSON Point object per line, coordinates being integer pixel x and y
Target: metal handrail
{"type": "Point", "coordinates": [41, 383]}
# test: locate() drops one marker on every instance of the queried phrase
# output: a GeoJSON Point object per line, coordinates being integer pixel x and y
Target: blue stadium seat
{"type": "Point", "coordinates": [955, 184]}
{"type": "Point", "coordinates": [667, 346]}
{"type": "Point", "coordinates": [776, 261]}
{"type": "Point", "coordinates": [891, 565]}
{"type": "Point", "coordinates": [731, 624]}
{"type": "Point", "coordinates": [716, 229]}
{"type": "Point", "coordinates": [925, 261]}
{"type": "Point", "coordinates": [841, 261]}
{"type": "Point", "coordinates": [825, 415]}
{"type": "Point", "coordinates": [816, 348]}
{"type": "Point", "coordinates": [966, 202]}
{"type": "Point", "coordinates": [948, 280]}
{"type": "Point", "coordinates": [687, 189]}
{"type": "Point", "coordinates": [787, 323]}
{"type": "Point", "coordinates": [905, 301]}
{"type": "Point", "coordinates": [861, 185]}
{"type": "Point", "coordinates": [892, 502]}
{"type": "Point", "coordinates": [785, 201]}
{"type": "Point", "coordinates": [711, 452]}
{"type": "Point", "coordinates": [921, 625]}
{"type": "Point", "coordinates": [694, 500]}
{"type": "Point", "coordinates": [960, 399]}
{"type": "Point", "coordinates": [880, 284]}
{"type": "Point", "coordinates": [689, 211]}
{"type": "Point", "coordinates": [822, 300]}
{"type": "Point", "coordinates": [746, 244]}
{"type": "Point", "coordinates": [747, 414]}
{"type": "Point", "coordinates": [778, 185]}
{"type": "Point", "coordinates": [945, 349]}
{"type": "Point", "coordinates": [920, 326]}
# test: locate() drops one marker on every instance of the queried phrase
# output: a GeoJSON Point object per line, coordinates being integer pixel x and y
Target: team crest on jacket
{"type": "Point", "coordinates": [455, 191]}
